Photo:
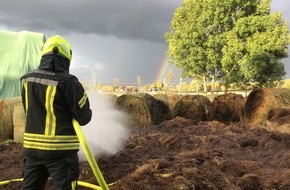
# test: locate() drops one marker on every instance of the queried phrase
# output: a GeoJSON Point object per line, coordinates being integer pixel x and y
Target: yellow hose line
{"type": "Point", "coordinates": [90, 156]}
{"type": "Point", "coordinates": [89, 185]}
{"type": "Point", "coordinates": [9, 181]}
{"type": "Point", "coordinates": [80, 183]}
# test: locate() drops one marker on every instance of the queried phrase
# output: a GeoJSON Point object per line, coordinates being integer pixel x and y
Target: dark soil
{"type": "Point", "coordinates": [178, 154]}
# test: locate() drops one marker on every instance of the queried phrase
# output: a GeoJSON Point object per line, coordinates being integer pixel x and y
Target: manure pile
{"type": "Point", "coordinates": [178, 154]}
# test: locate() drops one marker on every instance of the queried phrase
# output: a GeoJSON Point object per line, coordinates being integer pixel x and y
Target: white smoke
{"type": "Point", "coordinates": [107, 131]}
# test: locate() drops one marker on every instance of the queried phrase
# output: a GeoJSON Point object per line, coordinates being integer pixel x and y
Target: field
{"type": "Point", "coordinates": [181, 153]}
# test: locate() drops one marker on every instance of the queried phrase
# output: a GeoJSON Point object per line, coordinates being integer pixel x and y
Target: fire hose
{"type": "Point", "coordinates": [90, 156]}
{"type": "Point", "coordinates": [80, 183]}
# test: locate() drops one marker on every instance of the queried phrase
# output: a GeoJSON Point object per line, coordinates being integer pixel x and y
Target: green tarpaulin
{"type": "Point", "coordinates": [19, 53]}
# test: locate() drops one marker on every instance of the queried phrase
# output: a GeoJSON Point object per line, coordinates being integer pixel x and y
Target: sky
{"type": "Point", "coordinates": [110, 39]}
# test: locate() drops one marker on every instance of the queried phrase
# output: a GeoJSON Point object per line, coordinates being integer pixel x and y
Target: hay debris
{"type": "Point", "coordinates": [279, 120]}
{"type": "Point", "coordinates": [279, 115]}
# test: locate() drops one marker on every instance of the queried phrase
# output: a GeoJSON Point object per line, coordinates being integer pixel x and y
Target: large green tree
{"type": "Point", "coordinates": [255, 47]}
{"type": "Point", "coordinates": [169, 77]}
{"type": "Point", "coordinates": [204, 40]}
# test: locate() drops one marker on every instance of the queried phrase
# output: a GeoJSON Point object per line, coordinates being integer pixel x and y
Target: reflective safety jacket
{"type": "Point", "coordinates": [52, 98]}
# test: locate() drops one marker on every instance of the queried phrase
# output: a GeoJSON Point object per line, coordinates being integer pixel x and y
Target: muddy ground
{"type": "Point", "coordinates": [179, 154]}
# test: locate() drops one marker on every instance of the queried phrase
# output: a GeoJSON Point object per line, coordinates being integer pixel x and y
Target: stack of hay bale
{"type": "Point", "coordinates": [264, 107]}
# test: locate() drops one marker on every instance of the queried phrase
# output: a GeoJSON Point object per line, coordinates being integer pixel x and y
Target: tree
{"type": "Point", "coordinates": [100, 85]}
{"type": "Point", "coordinates": [195, 85]}
{"type": "Point", "coordinates": [108, 89]}
{"type": "Point", "coordinates": [139, 81]}
{"type": "Point", "coordinates": [203, 32]}
{"type": "Point", "coordinates": [116, 83]}
{"type": "Point", "coordinates": [182, 87]}
{"type": "Point", "coordinates": [170, 77]}
{"type": "Point", "coordinates": [260, 42]}
{"type": "Point", "coordinates": [159, 85]}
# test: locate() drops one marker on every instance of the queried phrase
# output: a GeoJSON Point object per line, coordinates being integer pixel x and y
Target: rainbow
{"type": "Point", "coordinates": [162, 70]}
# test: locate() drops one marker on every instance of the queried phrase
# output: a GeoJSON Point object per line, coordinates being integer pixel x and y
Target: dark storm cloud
{"type": "Point", "coordinates": [125, 19]}
{"type": "Point", "coordinates": [125, 38]}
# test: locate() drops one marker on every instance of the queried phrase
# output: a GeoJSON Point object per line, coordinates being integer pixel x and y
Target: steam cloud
{"type": "Point", "coordinates": [107, 132]}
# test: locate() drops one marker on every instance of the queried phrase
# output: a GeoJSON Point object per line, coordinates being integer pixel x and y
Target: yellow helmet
{"type": "Point", "coordinates": [57, 44]}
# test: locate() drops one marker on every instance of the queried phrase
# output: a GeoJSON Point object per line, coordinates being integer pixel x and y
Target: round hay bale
{"type": "Point", "coordinates": [195, 107]}
{"type": "Point", "coordinates": [169, 99]}
{"type": "Point", "coordinates": [227, 107]}
{"type": "Point", "coordinates": [6, 123]}
{"type": "Point", "coordinates": [162, 112]}
{"type": "Point", "coordinates": [19, 120]}
{"type": "Point", "coordinates": [143, 109]}
{"type": "Point", "coordinates": [260, 101]}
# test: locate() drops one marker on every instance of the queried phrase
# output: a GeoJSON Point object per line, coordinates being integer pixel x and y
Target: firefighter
{"type": "Point", "coordinates": [52, 98]}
